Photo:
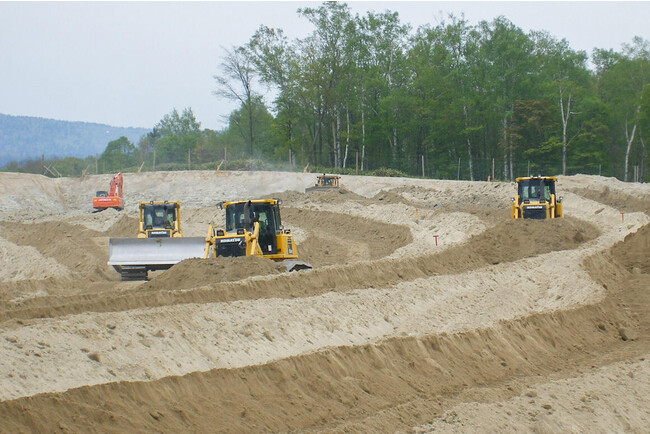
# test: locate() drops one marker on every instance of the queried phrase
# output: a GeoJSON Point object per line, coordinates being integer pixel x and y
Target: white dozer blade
{"type": "Point", "coordinates": [153, 252]}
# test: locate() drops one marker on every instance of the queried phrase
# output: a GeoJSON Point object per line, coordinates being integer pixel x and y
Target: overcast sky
{"type": "Point", "coordinates": [130, 63]}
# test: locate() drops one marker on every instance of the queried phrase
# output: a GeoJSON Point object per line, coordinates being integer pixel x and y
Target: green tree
{"type": "Point", "coordinates": [176, 136]}
{"type": "Point", "coordinates": [507, 61]}
{"type": "Point", "coordinates": [566, 82]}
{"type": "Point", "coordinates": [621, 80]}
{"type": "Point", "coordinates": [235, 82]}
{"type": "Point", "coordinates": [238, 126]}
{"type": "Point", "coordinates": [118, 155]}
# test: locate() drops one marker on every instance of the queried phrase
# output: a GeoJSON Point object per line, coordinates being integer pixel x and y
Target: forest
{"type": "Point", "coordinates": [371, 95]}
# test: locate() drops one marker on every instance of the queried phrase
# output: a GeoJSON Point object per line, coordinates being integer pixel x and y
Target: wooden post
{"type": "Point", "coordinates": [356, 164]}
{"type": "Point", "coordinates": [458, 173]}
{"type": "Point", "coordinates": [493, 169]}
{"type": "Point", "coordinates": [423, 166]}
{"type": "Point", "coordinates": [188, 159]}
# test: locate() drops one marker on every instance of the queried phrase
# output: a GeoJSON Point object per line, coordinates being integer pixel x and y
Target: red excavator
{"type": "Point", "coordinates": [111, 198]}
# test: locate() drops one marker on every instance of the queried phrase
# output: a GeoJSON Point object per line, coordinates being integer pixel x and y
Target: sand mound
{"type": "Point", "coordinates": [80, 249]}
{"type": "Point", "coordinates": [615, 199]}
{"type": "Point", "coordinates": [192, 273]}
{"type": "Point", "coordinates": [339, 238]}
{"type": "Point", "coordinates": [13, 259]}
{"type": "Point", "coordinates": [320, 196]}
{"type": "Point", "coordinates": [514, 239]}
{"type": "Point", "coordinates": [388, 196]}
{"type": "Point", "coordinates": [634, 251]}
{"type": "Point", "coordinates": [124, 227]}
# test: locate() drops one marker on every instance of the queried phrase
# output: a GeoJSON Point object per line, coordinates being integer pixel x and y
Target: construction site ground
{"type": "Point", "coordinates": [427, 309]}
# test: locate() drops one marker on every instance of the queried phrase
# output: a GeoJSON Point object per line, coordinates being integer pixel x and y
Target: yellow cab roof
{"type": "Point", "coordinates": [524, 178]}
{"type": "Point", "coordinates": [270, 201]}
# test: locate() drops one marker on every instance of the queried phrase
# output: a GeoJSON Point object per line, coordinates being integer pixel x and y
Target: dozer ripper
{"type": "Point", "coordinates": [536, 198]}
{"type": "Point", "coordinates": [254, 227]}
{"type": "Point", "coordinates": [325, 183]}
{"type": "Point", "coordinates": [159, 243]}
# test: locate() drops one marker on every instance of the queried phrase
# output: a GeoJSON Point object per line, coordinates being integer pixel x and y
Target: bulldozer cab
{"type": "Point", "coordinates": [159, 219]}
{"type": "Point", "coordinates": [535, 189]}
{"type": "Point", "coordinates": [242, 216]}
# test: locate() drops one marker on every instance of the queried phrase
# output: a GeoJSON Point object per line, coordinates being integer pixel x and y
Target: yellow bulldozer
{"type": "Point", "coordinates": [254, 227]}
{"type": "Point", "coordinates": [536, 198]}
{"type": "Point", "coordinates": [325, 183]}
{"type": "Point", "coordinates": [159, 243]}
{"type": "Point", "coordinates": [160, 219]}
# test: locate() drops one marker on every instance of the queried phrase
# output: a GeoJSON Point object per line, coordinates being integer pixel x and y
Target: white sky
{"type": "Point", "coordinates": [130, 63]}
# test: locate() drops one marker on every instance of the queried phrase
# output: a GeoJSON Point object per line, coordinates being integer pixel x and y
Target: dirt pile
{"type": "Point", "coordinates": [634, 251]}
{"type": "Point", "coordinates": [124, 227]}
{"type": "Point", "coordinates": [82, 250]}
{"type": "Point", "coordinates": [334, 195]}
{"type": "Point", "coordinates": [338, 238]}
{"type": "Point", "coordinates": [514, 239]}
{"type": "Point", "coordinates": [192, 273]}
{"type": "Point", "coordinates": [615, 199]}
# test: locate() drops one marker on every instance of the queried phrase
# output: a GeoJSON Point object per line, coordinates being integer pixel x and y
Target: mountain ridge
{"type": "Point", "coordinates": [27, 137]}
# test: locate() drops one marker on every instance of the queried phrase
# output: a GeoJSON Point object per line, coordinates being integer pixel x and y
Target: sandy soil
{"type": "Point", "coordinates": [428, 309]}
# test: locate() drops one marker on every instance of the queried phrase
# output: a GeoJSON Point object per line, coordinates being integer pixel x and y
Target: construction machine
{"type": "Point", "coordinates": [111, 198]}
{"type": "Point", "coordinates": [160, 219]}
{"type": "Point", "coordinates": [325, 183]}
{"type": "Point", "coordinates": [254, 227]}
{"type": "Point", "coordinates": [159, 243]}
{"type": "Point", "coordinates": [536, 198]}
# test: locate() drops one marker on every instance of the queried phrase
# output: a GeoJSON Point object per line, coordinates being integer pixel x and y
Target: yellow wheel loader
{"type": "Point", "coordinates": [325, 183]}
{"type": "Point", "coordinates": [254, 227]}
{"type": "Point", "coordinates": [159, 243]}
{"type": "Point", "coordinates": [536, 198]}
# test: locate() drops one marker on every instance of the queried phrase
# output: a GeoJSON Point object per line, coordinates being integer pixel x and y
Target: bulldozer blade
{"type": "Point", "coordinates": [153, 252]}
{"type": "Point", "coordinates": [297, 265]}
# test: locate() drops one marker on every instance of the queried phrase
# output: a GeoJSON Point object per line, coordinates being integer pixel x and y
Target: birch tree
{"type": "Point", "coordinates": [235, 82]}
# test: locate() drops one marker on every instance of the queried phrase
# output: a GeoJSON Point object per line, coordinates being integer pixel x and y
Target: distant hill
{"type": "Point", "coordinates": [25, 137]}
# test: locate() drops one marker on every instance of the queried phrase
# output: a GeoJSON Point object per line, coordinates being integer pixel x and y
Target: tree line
{"type": "Point", "coordinates": [367, 91]}
{"type": "Point", "coordinates": [369, 94]}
